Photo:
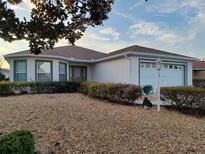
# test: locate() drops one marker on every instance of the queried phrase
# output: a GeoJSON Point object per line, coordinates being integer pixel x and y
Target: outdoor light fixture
{"type": "Point", "coordinates": [158, 67]}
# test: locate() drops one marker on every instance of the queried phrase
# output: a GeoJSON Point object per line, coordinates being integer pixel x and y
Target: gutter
{"type": "Point", "coordinates": [198, 69]}
{"type": "Point", "coordinates": [134, 53]}
{"type": "Point", "coordinates": [125, 54]}
{"type": "Point", "coordinates": [71, 59]}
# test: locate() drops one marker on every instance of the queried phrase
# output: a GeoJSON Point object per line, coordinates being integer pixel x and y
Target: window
{"type": "Point", "coordinates": [43, 71]}
{"type": "Point", "coordinates": [20, 70]}
{"type": "Point", "coordinates": [142, 65]}
{"type": "Point", "coordinates": [78, 73]}
{"type": "Point", "coordinates": [153, 65]}
{"type": "Point", "coordinates": [170, 66]}
{"type": "Point", "coordinates": [62, 71]}
{"type": "Point", "coordinates": [147, 65]}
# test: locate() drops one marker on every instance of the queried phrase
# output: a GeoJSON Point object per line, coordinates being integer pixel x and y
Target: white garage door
{"type": "Point", "coordinates": [170, 74]}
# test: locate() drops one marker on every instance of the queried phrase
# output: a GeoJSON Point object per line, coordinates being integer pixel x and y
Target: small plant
{"type": "Point", "coordinates": [18, 142]}
{"type": "Point", "coordinates": [148, 89]}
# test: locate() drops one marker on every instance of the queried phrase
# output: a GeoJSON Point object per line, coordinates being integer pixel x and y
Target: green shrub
{"type": "Point", "coordinates": [148, 89]}
{"type": "Point", "coordinates": [185, 97]}
{"type": "Point", "coordinates": [121, 93]}
{"type": "Point", "coordinates": [9, 88]}
{"type": "Point", "coordinates": [6, 88]}
{"type": "Point", "coordinates": [19, 142]}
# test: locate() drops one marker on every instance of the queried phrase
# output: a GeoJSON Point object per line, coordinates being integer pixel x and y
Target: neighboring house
{"type": "Point", "coordinates": [134, 65]}
{"type": "Point", "coordinates": [6, 72]}
{"type": "Point", "coordinates": [199, 70]}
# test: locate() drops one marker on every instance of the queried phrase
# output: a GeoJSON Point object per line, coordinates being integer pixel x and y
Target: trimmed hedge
{"type": "Point", "coordinates": [19, 142]}
{"type": "Point", "coordinates": [11, 88]}
{"type": "Point", "coordinates": [185, 97]}
{"type": "Point", "coordinates": [121, 93]}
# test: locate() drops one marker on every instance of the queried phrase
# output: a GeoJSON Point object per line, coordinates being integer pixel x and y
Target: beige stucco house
{"type": "Point", "coordinates": [134, 65]}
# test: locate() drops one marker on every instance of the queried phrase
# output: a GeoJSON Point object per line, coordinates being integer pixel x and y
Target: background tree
{"type": "Point", "coordinates": [52, 20]}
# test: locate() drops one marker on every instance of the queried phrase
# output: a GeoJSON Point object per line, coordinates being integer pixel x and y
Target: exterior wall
{"type": "Point", "coordinates": [189, 74]}
{"type": "Point", "coordinates": [123, 70]}
{"type": "Point", "coordinates": [116, 71]}
{"type": "Point", "coordinates": [11, 76]}
{"type": "Point", "coordinates": [30, 69]}
{"type": "Point", "coordinates": [134, 70]}
{"type": "Point", "coordinates": [199, 74]}
{"type": "Point", "coordinates": [56, 70]}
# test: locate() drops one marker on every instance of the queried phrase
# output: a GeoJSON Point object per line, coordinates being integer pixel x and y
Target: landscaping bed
{"type": "Point", "coordinates": [75, 123]}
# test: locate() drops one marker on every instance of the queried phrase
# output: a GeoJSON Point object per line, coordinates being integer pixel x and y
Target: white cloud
{"type": "Point", "coordinates": [182, 6]}
{"type": "Point", "coordinates": [196, 4]}
{"type": "Point", "coordinates": [7, 48]}
{"type": "Point", "coordinates": [162, 34]}
{"type": "Point", "coordinates": [137, 4]}
{"type": "Point", "coordinates": [101, 45]}
{"type": "Point", "coordinates": [15, 46]}
{"type": "Point", "coordinates": [24, 5]}
{"type": "Point", "coordinates": [162, 6]}
{"type": "Point", "coordinates": [110, 32]}
{"type": "Point", "coordinates": [125, 15]}
{"type": "Point", "coordinates": [144, 28]}
{"type": "Point", "coordinates": [104, 40]}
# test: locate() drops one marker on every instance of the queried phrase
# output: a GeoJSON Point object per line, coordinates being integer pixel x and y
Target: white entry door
{"type": "Point", "coordinates": [170, 74]}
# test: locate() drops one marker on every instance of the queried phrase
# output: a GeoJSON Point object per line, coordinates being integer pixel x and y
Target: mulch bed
{"type": "Point", "coordinates": [74, 123]}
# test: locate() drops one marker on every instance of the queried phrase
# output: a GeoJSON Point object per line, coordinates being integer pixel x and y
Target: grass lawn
{"type": "Point", "coordinates": [74, 123]}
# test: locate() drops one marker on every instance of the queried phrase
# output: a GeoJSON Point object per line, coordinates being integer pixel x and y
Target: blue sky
{"type": "Point", "coordinates": [173, 25]}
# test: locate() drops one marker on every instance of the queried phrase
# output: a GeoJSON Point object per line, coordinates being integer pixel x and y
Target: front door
{"type": "Point", "coordinates": [78, 73]}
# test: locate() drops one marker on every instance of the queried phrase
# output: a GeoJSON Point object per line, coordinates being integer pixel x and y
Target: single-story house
{"type": "Point", "coordinates": [133, 65]}
{"type": "Point", "coordinates": [199, 70]}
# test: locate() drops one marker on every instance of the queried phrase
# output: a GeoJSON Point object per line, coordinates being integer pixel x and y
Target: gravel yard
{"type": "Point", "coordinates": [74, 123]}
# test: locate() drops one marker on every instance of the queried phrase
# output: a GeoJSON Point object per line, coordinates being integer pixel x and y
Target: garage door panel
{"type": "Point", "coordinates": [170, 74]}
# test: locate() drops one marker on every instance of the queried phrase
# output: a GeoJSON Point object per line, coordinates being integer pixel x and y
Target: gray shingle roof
{"type": "Point", "coordinates": [88, 54]}
{"type": "Point", "coordinates": [137, 48]}
{"type": "Point", "coordinates": [69, 52]}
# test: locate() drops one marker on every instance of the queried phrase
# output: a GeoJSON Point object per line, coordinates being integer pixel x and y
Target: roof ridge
{"type": "Point", "coordinates": [133, 48]}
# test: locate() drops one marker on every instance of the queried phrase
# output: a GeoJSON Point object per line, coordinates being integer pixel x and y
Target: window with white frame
{"type": "Point", "coordinates": [62, 71]}
{"type": "Point", "coordinates": [43, 71]}
{"type": "Point", "coordinates": [20, 70]}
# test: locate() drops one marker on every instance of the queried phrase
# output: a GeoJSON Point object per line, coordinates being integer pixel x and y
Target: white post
{"type": "Point", "coordinates": [158, 66]}
{"type": "Point", "coordinates": [158, 93]}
